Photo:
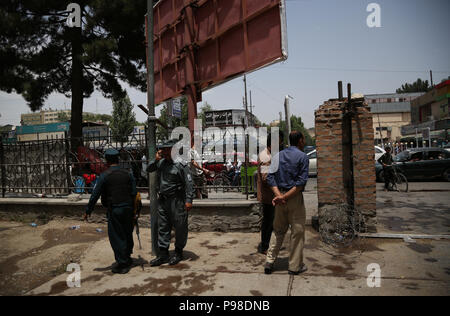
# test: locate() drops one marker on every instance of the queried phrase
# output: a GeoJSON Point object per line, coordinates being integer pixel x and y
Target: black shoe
{"type": "Point", "coordinates": [176, 258]}
{"type": "Point", "coordinates": [159, 261]}
{"type": "Point", "coordinates": [262, 250]}
{"type": "Point", "coordinates": [121, 269]}
{"type": "Point", "coordinates": [268, 268]}
{"type": "Point", "coordinates": [302, 269]}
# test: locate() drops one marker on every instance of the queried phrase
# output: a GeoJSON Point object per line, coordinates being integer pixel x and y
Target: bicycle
{"type": "Point", "coordinates": [398, 181]}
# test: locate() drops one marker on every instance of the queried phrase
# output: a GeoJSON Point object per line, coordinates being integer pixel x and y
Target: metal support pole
{"type": "Point", "coordinates": [151, 128]}
{"type": "Point", "coordinates": [347, 144]}
{"type": "Point", "coordinates": [246, 101]}
{"type": "Point", "coordinates": [247, 139]}
{"type": "Point", "coordinates": [417, 139]}
{"type": "Point", "coordinates": [68, 162]}
{"type": "Point", "coordinates": [3, 169]}
{"type": "Point", "coordinates": [429, 137]}
{"type": "Point", "coordinates": [251, 110]}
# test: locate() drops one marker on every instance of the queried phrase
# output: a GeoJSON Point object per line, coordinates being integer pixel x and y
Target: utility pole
{"type": "Point", "coordinates": [246, 99]}
{"type": "Point", "coordinates": [287, 110]}
{"type": "Point", "coordinates": [251, 109]}
{"type": "Point", "coordinates": [151, 127]}
{"type": "Point", "coordinates": [381, 133]}
{"type": "Point", "coordinates": [431, 78]}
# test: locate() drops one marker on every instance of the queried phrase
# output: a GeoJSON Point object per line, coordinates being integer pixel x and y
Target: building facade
{"type": "Point", "coordinates": [41, 132]}
{"type": "Point", "coordinates": [430, 115]}
{"type": "Point", "coordinates": [43, 117]}
{"type": "Point", "coordinates": [390, 113]}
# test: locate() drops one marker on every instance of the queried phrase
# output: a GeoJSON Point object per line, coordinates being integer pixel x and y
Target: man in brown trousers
{"type": "Point", "coordinates": [287, 177]}
{"type": "Point", "coordinates": [265, 194]}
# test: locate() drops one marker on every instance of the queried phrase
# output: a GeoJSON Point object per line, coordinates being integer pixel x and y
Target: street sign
{"type": "Point", "coordinates": [177, 108]}
{"type": "Point", "coordinates": [200, 44]}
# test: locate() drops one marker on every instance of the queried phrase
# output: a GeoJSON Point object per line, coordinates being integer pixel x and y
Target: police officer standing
{"type": "Point", "coordinates": [117, 189]}
{"type": "Point", "coordinates": [176, 192]}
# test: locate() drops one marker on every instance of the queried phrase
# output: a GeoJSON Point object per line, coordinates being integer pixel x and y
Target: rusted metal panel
{"type": "Point", "coordinates": [204, 43]}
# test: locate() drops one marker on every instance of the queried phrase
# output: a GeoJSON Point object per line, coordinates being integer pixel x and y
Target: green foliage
{"type": "Point", "coordinates": [418, 86]}
{"type": "Point", "coordinates": [205, 108]}
{"type": "Point", "coordinates": [44, 56]}
{"type": "Point", "coordinates": [92, 117]}
{"type": "Point", "coordinates": [123, 119]}
{"type": "Point", "coordinates": [63, 117]}
{"type": "Point", "coordinates": [162, 133]}
{"type": "Point", "coordinates": [297, 125]}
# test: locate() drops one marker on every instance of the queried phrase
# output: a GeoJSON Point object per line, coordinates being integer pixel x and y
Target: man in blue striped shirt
{"type": "Point", "coordinates": [287, 177]}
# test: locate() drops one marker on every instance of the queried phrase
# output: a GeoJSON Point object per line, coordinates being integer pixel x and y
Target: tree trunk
{"type": "Point", "coordinates": [77, 90]}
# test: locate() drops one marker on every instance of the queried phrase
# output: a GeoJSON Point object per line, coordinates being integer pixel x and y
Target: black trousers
{"type": "Point", "coordinates": [172, 214]}
{"type": "Point", "coordinates": [120, 232]}
{"type": "Point", "coordinates": [267, 225]}
{"type": "Point", "coordinates": [388, 176]}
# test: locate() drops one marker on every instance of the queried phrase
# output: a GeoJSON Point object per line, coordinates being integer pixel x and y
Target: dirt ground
{"type": "Point", "coordinates": [33, 261]}
{"type": "Point", "coordinates": [32, 256]}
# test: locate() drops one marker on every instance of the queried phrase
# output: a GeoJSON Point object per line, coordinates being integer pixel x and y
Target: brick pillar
{"type": "Point", "coordinates": [332, 174]}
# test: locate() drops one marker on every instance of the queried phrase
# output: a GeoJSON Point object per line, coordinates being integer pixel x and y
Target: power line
{"type": "Point", "coordinates": [360, 70]}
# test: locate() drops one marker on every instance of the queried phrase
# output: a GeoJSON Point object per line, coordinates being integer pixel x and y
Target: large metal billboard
{"type": "Point", "coordinates": [201, 44]}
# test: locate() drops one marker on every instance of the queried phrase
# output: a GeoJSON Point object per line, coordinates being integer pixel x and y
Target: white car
{"type": "Point", "coordinates": [379, 152]}
{"type": "Point", "coordinates": [313, 159]}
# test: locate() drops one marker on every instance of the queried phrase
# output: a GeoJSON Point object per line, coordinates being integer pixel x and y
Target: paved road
{"type": "Point", "coordinates": [227, 264]}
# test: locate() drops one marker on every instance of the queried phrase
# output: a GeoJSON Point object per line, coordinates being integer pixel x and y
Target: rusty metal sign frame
{"type": "Point", "coordinates": [201, 44]}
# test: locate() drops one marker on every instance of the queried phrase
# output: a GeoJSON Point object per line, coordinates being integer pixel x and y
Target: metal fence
{"type": "Point", "coordinates": [51, 167]}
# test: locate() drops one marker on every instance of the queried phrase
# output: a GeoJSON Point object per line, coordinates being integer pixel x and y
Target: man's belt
{"type": "Point", "coordinates": [169, 195]}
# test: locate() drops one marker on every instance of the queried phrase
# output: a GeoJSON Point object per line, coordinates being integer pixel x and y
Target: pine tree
{"type": "Point", "coordinates": [123, 120]}
{"type": "Point", "coordinates": [40, 54]}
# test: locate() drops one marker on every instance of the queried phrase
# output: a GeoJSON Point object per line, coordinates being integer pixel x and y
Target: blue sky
{"type": "Point", "coordinates": [329, 41]}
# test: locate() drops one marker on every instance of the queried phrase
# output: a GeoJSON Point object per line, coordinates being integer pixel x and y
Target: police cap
{"type": "Point", "coordinates": [112, 152]}
{"type": "Point", "coordinates": [169, 144]}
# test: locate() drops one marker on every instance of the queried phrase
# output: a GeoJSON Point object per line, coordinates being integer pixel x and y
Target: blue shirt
{"type": "Point", "coordinates": [289, 169]}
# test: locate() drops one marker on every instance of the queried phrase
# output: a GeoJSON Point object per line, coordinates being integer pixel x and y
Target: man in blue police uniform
{"type": "Point", "coordinates": [117, 189]}
{"type": "Point", "coordinates": [175, 195]}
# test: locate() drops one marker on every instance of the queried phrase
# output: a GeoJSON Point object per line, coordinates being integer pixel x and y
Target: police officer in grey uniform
{"type": "Point", "coordinates": [175, 195]}
{"type": "Point", "coordinates": [117, 189]}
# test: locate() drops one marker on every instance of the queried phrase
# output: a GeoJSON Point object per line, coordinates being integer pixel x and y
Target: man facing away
{"type": "Point", "coordinates": [176, 192]}
{"type": "Point", "coordinates": [265, 194]}
{"type": "Point", "coordinates": [117, 189]}
{"type": "Point", "coordinates": [287, 177]}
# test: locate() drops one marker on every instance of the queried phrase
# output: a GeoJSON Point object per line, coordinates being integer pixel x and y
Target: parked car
{"type": "Point", "coordinates": [313, 159]}
{"type": "Point", "coordinates": [309, 149]}
{"type": "Point", "coordinates": [379, 152]}
{"type": "Point", "coordinates": [421, 164]}
{"type": "Point", "coordinates": [312, 163]}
